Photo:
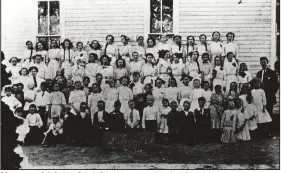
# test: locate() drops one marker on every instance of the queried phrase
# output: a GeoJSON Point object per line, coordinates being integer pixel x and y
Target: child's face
{"type": "Point", "coordinates": [29, 45]}
{"type": "Point", "coordinates": [8, 92]}
{"type": "Point", "coordinates": [158, 83]}
{"type": "Point", "coordinates": [218, 62]}
{"type": "Point", "coordinates": [201, 103]}
{"type": "Point", "coordinates": [55, 120]}
{"type": "Point", "coordinates": [190, 40]}
{"type": "Point", "coordinates": [257, 85]}
{"type": "Point", "coordinates": [123, 40]}
{"type": "Point", "coordinates": [38, 59]}
{"type": "Point", "coordinates": [243, 67]}
{"type": "Point", "coordinates": [136, 78]}
{"type": "Point", "coordinates": [109, 40]}
{"type": "Point", "coordinates": [185, 81]}
{"type": "Point", "coordinates": [111, 83]}
{"type": "Point", "coordinates": [56, 87]}
{"type": "Point", "coordinates": [100, 106]}
{"type": "Point", "coordinates": [83, 108]}
{"type": "Point", "coordinates": [173, 83]}
{"type": "Point", "coordinates": [117, 107]}
{"type": "Point", "coordinates": [66, 44]}
{"type": "Point", "coordinates": [150, 43]}
{"type": "Point", "coordinates": [229, 57]}
{"type": "Point", "coordinates": [233, 86]}
{"type": "Point", "coordinates": [202, 39]}
{"type": "Point", "coordinates": [40, 46]}
{"type": "Point", "coordinates": [231, 104]}
{"type": "Point", "coordinates": [167, 56]}
{"type": "Point", "coordinates": [135, 56]}
{"type": "Point", "coordinates": [105, 60]}
{"type": "Point", "coordinates": [120, 63]}
{"type": "Point", "coordinates": [86, 82]}
{"type": "Point", "coordinates": [174, 105]}
{"type": "Point", "coordinates": [196, 84]}
{"type": "Point", "coordinates": [149, 58]}
{"type": "Point", "coordinates": [53, 44]}
{"type": "Point", "coordinates": [149, 101]}
{"type": "Point", "coordinates": [20, 113]}
{"type": "Point", "coordinates": [91, 59]}
{"type": "Point", "coordinates": [205, 58]}
{"type": "Point", "coordinates": [140, 40]}
{"type": "Point", "coordinates": [147, 88]}
{"type": "Point", "coordinates": [217, 90]}
{"type": "Point", "coordinates": [229, 37]}
{"type": "Point", "coordinates": [60, 79]}
{"type": "Point", "coordinates": [165, 104]}
{"type": "Point", "coordinates": [69, 83]}
{"type": "Point", "coordinates": [18, 96]}
{"type": "Point", "coordinates": [216, 36]}
{"type": "Point", "coordinates": [163, 39]}
{"type": "Point", "coordinates": [33, 72]}
{"type": "Point", "coordinates": [194, 56]}
{"type": "Point", "coordinates": [14, 61]}
{"type": "Point", "coordinates": [79, 46]}
{"type": "Point", "coordinates": [206, 86]}
{"type": "Point", "coordinates": [95, 44]}
{"type": "Point", "coordinates": [186, 106]}
{"type": "Point", "coordinates": [132, 105]}
{"type": "Point", "coordinates": [176, 59]}
{"type": "Point", "coordinates": [42, 87]}
{"type": "Point", "coordinates": [177, 40]}
{"type": "Point", "coordinates": [23, 72]}
{"type": "Point", "coordinates": [32, 110]}
{"type": "Point", "coordinates": [95, 88]}
{"type": "Point", "coordinates": [124, 82]}
{"type": "Point", "coordinates": [15, 88]}
{"type": "Point", "coordinates": [99, 79]}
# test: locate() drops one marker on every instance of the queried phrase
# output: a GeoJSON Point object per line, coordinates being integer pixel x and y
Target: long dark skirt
{"type": "Point", "coordinates": [150, 125]}
{"type": "Point", "coordinates": [35, 136]}
{"type": "Point", "coordinates": [53, 139]}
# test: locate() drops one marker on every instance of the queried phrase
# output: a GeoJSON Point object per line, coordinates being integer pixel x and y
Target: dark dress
{"type": "Point", "coordinates": [68, 128]}
{"type": "Point", "coordinates": [173, 122]}
{"type": "Point", "coordinates": [83, 129]}
{"type": "Point", "coordinates": [203, 125]}
{"type": "Point", "coordinates": [116, 121]}
{"type": "Point", "coordinates": [187, 128]}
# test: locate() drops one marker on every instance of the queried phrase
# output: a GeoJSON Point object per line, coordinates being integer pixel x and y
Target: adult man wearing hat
{"type": "Point", "coordinates": [34, 79]}
{"type": "Point", "coordinates": [270, 85]}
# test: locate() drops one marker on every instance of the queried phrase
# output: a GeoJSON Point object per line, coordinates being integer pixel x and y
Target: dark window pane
{"type": "Point", "coordinates": [43, 18]}
{"type": "Point", "coordinates": [167, 16]}
{"type": "Point", "coordinates": [155, 16]}
{"type": "Point", "coordinates": [54, 18]}
{"type": "Point", "coordinates": [44, 41]}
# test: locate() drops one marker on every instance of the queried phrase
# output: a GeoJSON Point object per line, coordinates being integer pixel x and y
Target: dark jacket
{"type": "Point", "coordinates": [187, 123]}
{"type": "Point", "coordinates": [116, 121]}
{"type": "Point", "coordinates": [270, 85]}
{"type": "Point", "coordinates": [203, 121]}
{"type": "Point", "coordinates": [173, 121]}
{"type": "Point", "coordinates": [105, 118]}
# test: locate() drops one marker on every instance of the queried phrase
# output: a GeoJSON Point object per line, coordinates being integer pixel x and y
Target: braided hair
{"type": "Point", "coordinates": [206, 48]}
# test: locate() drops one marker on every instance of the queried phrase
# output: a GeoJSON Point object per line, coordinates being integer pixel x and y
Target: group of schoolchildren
{"type": "Point", "coordinates": [186, 93]}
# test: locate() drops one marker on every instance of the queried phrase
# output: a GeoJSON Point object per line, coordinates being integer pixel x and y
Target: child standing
{"type": "Point", "coordinates": [177, 68]}
{"type": "Point", "coordinates": [195, 94]}
{"type": "Point", "coordinates": [202, 47]}
{"type": "Point", "coordinates": [206, 68]}
{"type": "Point", "coordinates": [158, 92]}
{"type": "Point", "coordinates": [172, 92]}
{"type": "Point", "coordinates": [259, 99]}
{"type": "Point", "coordinates": [77, 96]}
{"type": "Point", "coordinates": [93, 99]}
{"type": "Point", "coordinates": [173, 123]}
{"type": "Point", "coordinates": [35, 123]}
{"type": "Point", "coordinates": [116, 121]}
{"type": "Point", "coordinates": [242, 132]}
{"type": "Point", "coordinates": [218, 74]}
{"type": "Point", "coordinates": [215, 46]}
{"type": "Point", "coordinates": [91, 68]}
{"type": "Point", "coordinates": [148, 70]}
{"type": "Point", "coordinates": [136, 86]}
{"type": "Point", "coordinates": [250, 114]}
{"type": "Point", "coordinates": [228, 123]}
{"type": "Point", "coordinates": [230, 68]}
{"type": "Point", "coordinates": [244, 77]}
{"type": "Point", "coordinates": [125, 94]}
{"type": "Point", "coordinates": [132, 117]}
{"type": "Point", "coordinates": [57, 101]}
{"type": "Point", "coordinates": [120, 70]}
{"type": "Point", "coordinates": [184, 91]}
{"type": "Point", "coordinates": [162, 120]}
{"type": "Point", "coordinates": [207, 94]}
{"type": "Point", "coordinates": [150, 114]}
{"type": "Point", "coordinates": [110, 95]}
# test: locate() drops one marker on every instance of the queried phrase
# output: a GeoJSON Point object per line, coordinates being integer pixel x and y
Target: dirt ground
{"type": "Point", "coordinates": [253, 152]}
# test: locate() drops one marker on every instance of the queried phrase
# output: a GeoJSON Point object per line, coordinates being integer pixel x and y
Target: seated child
{"type": "Point", "coordinates": [132, 117]}
{"type": "Point", "coordinates": [56, 132]}
{"type": "Point", "coordinates": [10, 100]}
{"type": "Point", "coordinates": [163, 129]}
{"type": "Point", "coordinates": [203, 121]}
{"type": "Point", "coordinates": [228, 122]}
{"type": "Point", "coordinates": [116, 121]}
{"type": "Point", "coordinates": [35, 123]}
{"type": "Point", "coordinates": [150, 114]}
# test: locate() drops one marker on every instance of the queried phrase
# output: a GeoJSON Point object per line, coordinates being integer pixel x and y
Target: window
{"type": "Point", "coordinates": [161, 17]}
{"type": "Point", "coordinates": [48, 22]}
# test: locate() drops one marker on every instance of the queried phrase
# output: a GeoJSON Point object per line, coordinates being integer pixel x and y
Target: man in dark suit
{"type": "Point", "coordinates": [270, 85]}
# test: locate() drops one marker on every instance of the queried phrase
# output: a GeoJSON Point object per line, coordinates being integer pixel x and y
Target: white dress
{"type": "Point", "coordinates": [231, 47]}
{"type": "Point", "coordinates": [207, 95]}
{"type": "Point", "coordinates": [53, 65]}
{"type": "Point", "coordinates": [42, 70]}
{"type": "Point", "coordinates": [126, 52]}
{"type": "Point", "coordinates": [158, 94]}
{"type": "Point", "coordinates": [91, 71]}
{"type": "Point", "coordinates": [193, 70]}
{"type": "Point", "coordinates": [220, 76]}
{"type": "Point", "coordinates": [207, 70]}
{"type": "Point", "coordinates": [93, 102]}
{"type": "Point", "coordinates": [172, 93]}
{"type": "Point", "coordinates": [162, 70]}
{"type": "Point", "coordinates": [230, 73]}
{"type": "Point", "coordinates": [259, 100]}
{"type": "Point", "coordinates": [216, 49]}
{"type": "Point", "coordinates": [14, 70]}
{"type": "Point", "coordinates": [195, 94]}
{"type": "Point", "coordinates": [67, 57]}
{"type": "Point", "coordinates": [177, 70]}
{"type": "Point", "coordinates": [162, 120]}
{"type": "Point", "coordinates": [165, 46]}
{"type": "Point", "coordinates": [25, 60]}
{"type": "Point", "coordinates": [125, 94]}
{"type": "Point", "coordinates": [184, 94]}
{"type": "Point", "coordinates": [106, 71]}
{"type": "Point", "coordinates": [110, 95]}
{"type": "Point", "coordinates": [149, 72]}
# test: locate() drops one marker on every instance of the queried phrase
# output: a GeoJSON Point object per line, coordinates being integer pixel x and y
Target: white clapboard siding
{"type": "Point", "coordinates": [19, 25]}
{"type": "Point", "coordinates": [87, 20]}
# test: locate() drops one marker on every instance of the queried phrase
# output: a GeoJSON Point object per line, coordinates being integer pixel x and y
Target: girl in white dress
{"type": "Point", "coordinates": [195, 94]}
{"type": "Point", "coordinates": [77, 71]}
{"type": "Point", "coordinates": [163, 45]}
{"type": "Point", "coordinates": [230, 68]}
{"type": "Point", "coordinates": [148, 70]}
{"type": "Point", "coordinates": [110, 48]}
{"type": "Point", "coordinates": [172, 92]}
{"type": "Point", "coordinates": [42, 68]}
{"type": "Point", "coordinates": [151, 48]}
{"type": "Point", "coordinates": [177, 68]}
{"type": "Point", "coordinates": [163, 65]}
{"type": "Point", "coordinates": [244, 77]}
{"type": "Point", "coordinates": [125, 94]}
{"type": "Point", "coordinates": [92, 67]}
{"type": "Point", "coordinates": [105, 69]}
{"type": "Point", "coordinates": [202, 47]}
{"type": "Point", "coordinates": [207, 94]}
{"type": "Point", "coordinates": [95, 47]}
{"type": "Point", "coordinates": [231, 45]}
{"type": "Point", "coordinates": [93, 99]}
{"type": "Point", "coordinates": [192, 67]}
{"type": "Point", "coordinates": [28, 55]}
{"type": "Point", "coordinates": [250, 114]}
{"type": "Point", "coordinates": [190, 47]}
{"type": "Point", "coordinates": [218, 74]}
{"type": "Point", "coordinates": [40, 50]}
{"type": "Point", "coordinates": [66, 57]}
{"type": "Point", "coordinates": [24, 77]}
{"type": "Point", "coordinates": [140, 48]}
{"type": "Point", "coordinates": [206, 68]}
{"type": "Point", "coordinates": [162, 118]}
{"type": "Point", "coordinates": [77, 96]}
{"type": "Point", "coordinates": [120, 71]}
{"type": "Point", "coordinates": [135, 65]}
{"type": "Point", "coordinates": [14, 69]}
{"type": "Point", "coordinates": [53, 58]}
{"type": "Point", "coordinates": [158, 92]}
{"type": "Point", "coordinates": [177, 47]}
{"type": "Point", "coordinates": [242, 129]}
{"type": "Point", "coordinates": [215, 46]}
{"type": "Point", "coordinates": [259, 99]}
{"type": "Point", "coordinates": [79, 53]}
{"type": "Point", "coordinates": [110, 95]}
{"type": "Point", "coordinates": [126, 50]}
{"type": "Point", "coordinates": [184, 91]}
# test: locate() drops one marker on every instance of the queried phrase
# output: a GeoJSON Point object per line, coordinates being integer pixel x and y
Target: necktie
{"type": "Point", "coordinates": [131, 116]}
{"type": "Point", "coordinates": [35, 82]}
{"type": "Point", "coordinates": [43, 94]}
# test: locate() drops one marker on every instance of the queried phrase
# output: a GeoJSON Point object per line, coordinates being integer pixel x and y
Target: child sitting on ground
{"type": "Point", "coordinates": [56, 132]}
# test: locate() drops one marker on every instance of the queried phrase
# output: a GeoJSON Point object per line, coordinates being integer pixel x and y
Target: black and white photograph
{"type": "Point", "coordinates": [140, 84]}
